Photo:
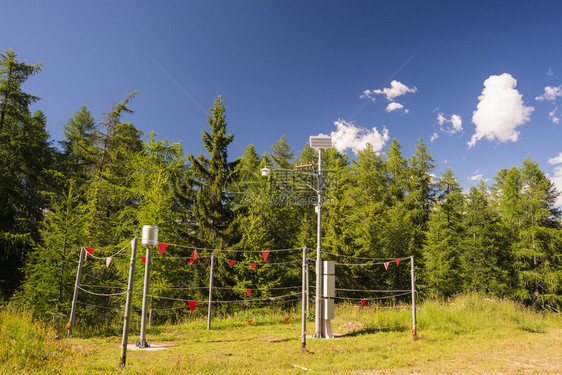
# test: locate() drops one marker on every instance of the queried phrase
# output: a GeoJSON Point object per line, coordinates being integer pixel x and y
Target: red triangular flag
{"type": "Point", "coordinates": [143, 260]}
{"type": "Point", "coordinates": [397, 261]}
{"type": "Point", "coordinates": [107, 261]}
{"type": "Point", "coordinates": [191, 260]}
{"type": "Point", "coordinates": [194, 255]}
{"type": "Point", "coordinates": [250, 321]}
{"type": "Point", "coordinates": [89, 251]}
{"type": "Point", "coordinates": [252, 266]}
{"type": "Point", "coordinates": [265, 254]}
{"type": "Point", "coordinates": [386, 265]}
{"type": "Point", "coordinates": [248, 291]}
{"type": "Point", "coordinates": [363, 302]}
{"type": "Point", "coordinates": [68, 325]}
{"type": "Point", "coordinates": [192, 305]}
{"type": "Point", "coordinates": [162, 247]}
{"type": "Point", "coordinates": [232, 263]}
{"type": "Point", "coordinates": [287, 320]}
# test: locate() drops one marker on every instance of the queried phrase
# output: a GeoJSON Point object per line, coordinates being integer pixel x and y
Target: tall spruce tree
{"type": "Point", "coordinates": [212, 210]}
{"type": "Point", "coordinates": [26, 170]}
{"type": "Point", "coordinates": [420, 198]}
{"type": "Point", "coordinates": [441, 253]}
{"type": "Point", "coordinates": [485, 257]}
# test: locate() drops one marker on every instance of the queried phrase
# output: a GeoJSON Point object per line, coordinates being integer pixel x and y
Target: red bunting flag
{"type": "Point", "coordinates": [232, 263]}
{"type": "Point", "coordinates": [107, 261]}
{"type": "Point", "coordinates": [287, 320]}
{"type": "Point", "coordinates": [386, 265]}
{"type": "Point", "coordinates": [265, 254]}
{"type": "Point", "coordinates": [143, 260]}
{"type": "Point", "coordinates": [363, 302]}
{"type": "Point", "coordinates": [162, 247]}
{"type": "Point", "coordinates": [68, 325]}
{"type": "Point", "coordinates": [249, 291]}
{"type": "Point", "coordinates": [252, 266]}
{"type": "Point", "coordinates": [191, 260]}
{"type": "Point", "coordinates": [397, 261]}
{"type": "Point", "coordinates": [192, 305]}
{"type": "Point", "coordinates": [89, 250]}
{"type": "Point", "coordinates": [250, 321]}
{"type": "Point", "coordinates": [194, 255]}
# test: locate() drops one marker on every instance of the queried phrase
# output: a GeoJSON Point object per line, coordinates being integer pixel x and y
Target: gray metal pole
{"type": "Point", "coordinates": [127, 318]}
{"type": "Point", "coordinates": [414, 322]}
{"type": "Point", "coordinates": [210, 293]}
{"type": "Point", "coordinates": [75, 296]}
{"type": "Point", "coordinates": [307, 289]}
{"type": "Point", "coordinates": [304, 298]}
{"type": "Point", "coordinates": [319, 327]}
{"type": "Point", "coordinates": [142, 342]}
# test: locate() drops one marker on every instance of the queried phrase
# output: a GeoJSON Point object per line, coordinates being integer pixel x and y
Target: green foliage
{"type": "Point", "coordinates": [106, 183]}
{"type": "Point", "coordinates": [29, 344]}
{"type": "Point", "coordinates": [26, 170]}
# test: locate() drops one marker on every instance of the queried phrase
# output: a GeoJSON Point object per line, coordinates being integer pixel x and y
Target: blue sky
{"type": "Point", "coordinates": [301, 68]}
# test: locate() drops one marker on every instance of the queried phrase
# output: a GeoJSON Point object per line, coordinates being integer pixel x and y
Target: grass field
{"type": "Point", "coordinates": [469, 334]}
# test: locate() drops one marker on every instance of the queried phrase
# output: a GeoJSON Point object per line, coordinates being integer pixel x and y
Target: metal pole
{"type": "Point", "coordinates": [127, 318]}
{"type": "Point", "coordinates": [319, 332]}
{"type": "Point", "coordinates": [210, 293]}
{"type": "Point", "coordinates": [142, 341]}
{"type": "Point", "coordinates": [307, 289]}
{"type": "Point", "coordinates": [304, 298]}
{"type": "Point", "coordinates": [414, 322]}
{"type": "Point", "coordinates": [75, 296]}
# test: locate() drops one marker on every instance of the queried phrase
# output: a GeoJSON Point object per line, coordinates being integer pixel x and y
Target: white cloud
{"type": "Point", "coordinates": [393, 106]}
{"type": "Point", "coordinates": [550, 93]}
{"type": "Point", "coordinates": [550, 73]}
{"type": "Point", "coordinates": [349, 135]}
{"type": "Point", "coordinates": [434, 136]}
{"type": "Point", "coordinates": [554, 116]}
{"type": "Point", "coordinates": [556, 160]}
{"type": "Point", "coordinates": [477, 176]}
{"type": "Point", "coordinates": [500, 111]}
{"type": "Point", "coordinates": [395, 90]}
{"type": "Point", "coordinates": [367, 94]}
{"type": "Point", "coordinates": [557, 177]}
{"type": "Point", "coordinates": [455, 120]}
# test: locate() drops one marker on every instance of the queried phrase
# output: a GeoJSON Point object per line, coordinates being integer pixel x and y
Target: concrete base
{"type": "Point", "coordinates": [151, 347]}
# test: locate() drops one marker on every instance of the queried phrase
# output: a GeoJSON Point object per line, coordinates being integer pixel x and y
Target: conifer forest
{"type": "Point", "coordinates": [105, 180]}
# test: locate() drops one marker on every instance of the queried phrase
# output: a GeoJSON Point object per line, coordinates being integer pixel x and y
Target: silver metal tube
{"type": "Point", "coordinates": [210, 293]}
{"type": "Point", "coordinates": [413, 276]}
{"type": "Point", "coordinates": [127, 318]}
{"type": "Point", "coordinates": [304, 298]}
{"type": "Point", "coordinates": [75, 296]}
{"type": "Point", "coordinates": [307, 289]}
{"type": "Point", "coordinates": [318, 313]}
{"type": "Point", "coordinates": [142, 342]}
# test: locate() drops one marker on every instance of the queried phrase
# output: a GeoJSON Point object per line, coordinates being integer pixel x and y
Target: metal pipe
{"type": "Point", "coordinates": [210, 293]}
{"type": "Point", "coordinates": [127, 318]}
{"type": "Point", "coordinates": [414, 322]}
{"type": "Point", "coordinates": [142, 341]}
{"type": "Point", "coordinates": [75, 296]}
{"type": "Point", "coordinates": [319, 327]}
{"type": "Point", "coordinates": [304, 298]}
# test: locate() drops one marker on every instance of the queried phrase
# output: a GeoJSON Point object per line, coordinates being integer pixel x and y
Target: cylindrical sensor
{"type": "Point", "coordinates": [150, 235]}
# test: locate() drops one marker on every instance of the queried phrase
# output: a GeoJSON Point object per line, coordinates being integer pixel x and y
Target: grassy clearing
{"type": "Point", "coordinates": [469, 334]}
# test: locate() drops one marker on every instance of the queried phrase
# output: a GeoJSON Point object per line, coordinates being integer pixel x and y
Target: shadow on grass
{"type": "Point", "coordinates": [370, 331]}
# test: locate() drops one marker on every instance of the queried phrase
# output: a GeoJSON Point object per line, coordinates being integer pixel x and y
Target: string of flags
{"type": "Point", "coordinates": [386, 264]}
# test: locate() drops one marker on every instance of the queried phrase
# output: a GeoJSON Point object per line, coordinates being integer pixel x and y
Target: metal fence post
{"type": "Point", "coordinates": [127, 318]}
{"type": "Point", "coordinates": [210, 293]}
{"type": "Point", "coordinates": [75, 296]}
{"type": "Point", "coordinates": [142, 341]}
{"type": "Point", "coordinates": [304, 300]}
{"type": "Point", "coordinates": [414, 322]}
